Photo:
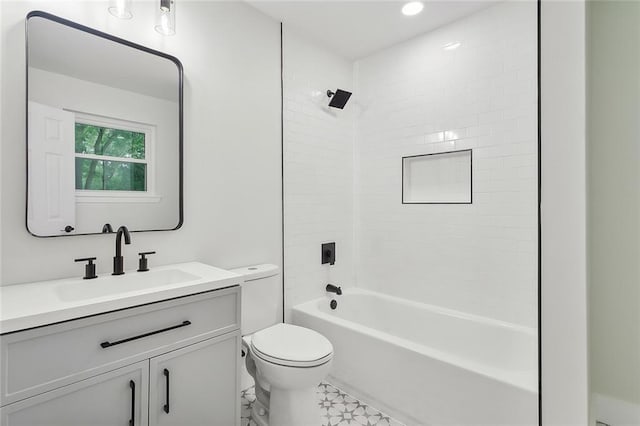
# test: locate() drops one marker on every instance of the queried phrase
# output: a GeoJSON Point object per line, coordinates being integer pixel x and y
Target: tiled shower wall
{"type": "Point", "coordinates": [318, 169]}
{"type": "Point", "coordinates": [417, 98]}
{"type": "Point", "coordinates": [343, 169]}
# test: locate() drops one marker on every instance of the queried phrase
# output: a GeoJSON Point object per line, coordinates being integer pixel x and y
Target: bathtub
{"type": "Point", "coordinates": [427, 365]}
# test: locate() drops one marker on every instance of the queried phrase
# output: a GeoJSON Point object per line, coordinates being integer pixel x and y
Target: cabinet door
{"type": "Point", "coordinates": [197, 385]}
{"type": "Point", "coordinates": [116, 398]}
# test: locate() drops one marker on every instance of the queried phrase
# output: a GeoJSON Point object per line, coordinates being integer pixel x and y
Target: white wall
{"type": "Point", "coordinates": [2, 203]}
{"type": "Point", "coordinates": [613, 151]}
{"type": "Point", "coordinates": [318, 152]}
{"type": "Point", "coordinates": [230, 54]}
{"type": "Point", "coordinates": [417, 98]}
{"type": "Point", "coordinates": [563, 294]}
{"type": "Point", "coordinates": [64, 92]}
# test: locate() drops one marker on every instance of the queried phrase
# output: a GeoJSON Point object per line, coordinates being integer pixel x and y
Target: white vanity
{"type": "Point", "coordinates": [153, 348]}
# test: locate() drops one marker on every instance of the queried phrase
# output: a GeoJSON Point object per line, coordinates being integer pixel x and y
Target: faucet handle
{"type": "Point", "coordinates": [142, 263]}
{"type": "Point", "coordinates": [89, 268]}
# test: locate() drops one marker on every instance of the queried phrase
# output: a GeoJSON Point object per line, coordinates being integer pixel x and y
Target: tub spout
{"type": "Point", "coordinates": [333, 289]}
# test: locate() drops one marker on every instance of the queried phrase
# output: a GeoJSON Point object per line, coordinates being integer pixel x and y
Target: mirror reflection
{"type": "Point", "coordinates": [104, 132]}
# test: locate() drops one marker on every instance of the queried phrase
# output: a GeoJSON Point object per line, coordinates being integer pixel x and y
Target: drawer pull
{"type": "Point", "coordinates": [166, 406]}
{"type": "Point", "coordinates": [151, 333]}
{"type": "Point", "coordinates": [132, 385]}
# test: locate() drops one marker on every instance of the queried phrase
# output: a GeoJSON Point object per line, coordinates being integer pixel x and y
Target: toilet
{"type": "Point", "coordinates": [287, 362]}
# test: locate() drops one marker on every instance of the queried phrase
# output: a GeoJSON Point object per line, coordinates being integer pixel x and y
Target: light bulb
{"type": "Point", "coordinates": [412, 8]}
{"type": "Point", "coordinates": [164, 23]}
{"type": "Point", "coordinates": [120, 9]}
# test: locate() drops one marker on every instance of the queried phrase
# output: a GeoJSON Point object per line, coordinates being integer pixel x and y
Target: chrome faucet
{"type": "Point", "coordinates": [333, 289]}
{"type": "Point", "coordinates": [118, 260]}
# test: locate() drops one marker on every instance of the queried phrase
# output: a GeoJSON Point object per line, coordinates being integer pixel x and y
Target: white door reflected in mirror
{"type": "Point", "coordinates": [51, 198]}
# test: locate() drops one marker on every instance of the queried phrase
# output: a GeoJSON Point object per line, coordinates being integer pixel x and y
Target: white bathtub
{"type": "Point", "coordinates": [427, 365]}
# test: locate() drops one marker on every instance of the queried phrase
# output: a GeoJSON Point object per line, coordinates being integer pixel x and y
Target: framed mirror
{"type": "Point", "coordinates": [104, 132]}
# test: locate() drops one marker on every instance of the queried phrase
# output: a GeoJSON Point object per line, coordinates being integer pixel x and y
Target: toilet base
{"type": "Point", "coordinates": [260, 413]}
{"type": "Point", "coordinates": [294, 407]}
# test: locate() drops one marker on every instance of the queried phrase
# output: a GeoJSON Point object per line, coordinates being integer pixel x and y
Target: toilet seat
{"type": "Point", "coordinates": [290, 363]}
{"type": "Point", "coordinates": [292, 346]}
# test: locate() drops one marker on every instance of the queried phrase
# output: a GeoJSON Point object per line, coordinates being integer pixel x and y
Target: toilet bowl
{"type": "Point", "coordinates": [287, 362]}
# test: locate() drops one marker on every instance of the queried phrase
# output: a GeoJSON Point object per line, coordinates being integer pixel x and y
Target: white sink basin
{"type": "Point", "coordinates": [114, 284]}
{"type": "Point", "coordinates": [46, 302]}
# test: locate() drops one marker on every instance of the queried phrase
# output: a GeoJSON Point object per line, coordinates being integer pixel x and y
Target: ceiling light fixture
{"type": "Point", "coordinates": [412, 8]}
{"type": "Point", "coordinates": [166, 17]}
{"type": "Point", "coordinates": [165, 5]}
{"type": "Point", "coordinates": [120, 9]}
{"type": "Point", "coordinates": [165, 14]}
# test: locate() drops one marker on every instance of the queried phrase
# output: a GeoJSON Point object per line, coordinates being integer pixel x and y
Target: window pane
{"type": "Point", "coordinates": [89, 174]}
{"type": "Point", "coordinates": [123, 176]}
{"type": "Point", "coordinates": [99, 140]}
{"type": "Point", "coordinates": [100, 175]}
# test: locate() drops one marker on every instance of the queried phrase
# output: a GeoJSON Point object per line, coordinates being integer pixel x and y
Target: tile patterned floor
{"type": "Point", "coordinates": [337, 408]}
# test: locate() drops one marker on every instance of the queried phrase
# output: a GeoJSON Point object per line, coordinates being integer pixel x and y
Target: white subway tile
{"type": "Point", "coordinates": [343, 172]}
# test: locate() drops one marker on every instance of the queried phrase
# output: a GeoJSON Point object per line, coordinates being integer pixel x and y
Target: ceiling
{"type": "Point", "coordinates": [356, 29]}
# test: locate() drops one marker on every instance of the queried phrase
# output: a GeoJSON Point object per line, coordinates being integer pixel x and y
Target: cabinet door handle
{"type": "Point", "coordinates": [151, 333]}
{"type": "Point", "coordinates": [166, 376]}
{"type": "Point", "coordinates": [132, 385]}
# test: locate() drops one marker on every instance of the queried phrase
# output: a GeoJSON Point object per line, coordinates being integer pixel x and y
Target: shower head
{"type": "Point", "coordinates": [339, 98]}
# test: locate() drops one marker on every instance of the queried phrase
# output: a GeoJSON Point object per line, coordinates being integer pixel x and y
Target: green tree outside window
{"type": "Point", "coordinates": [114, 173]}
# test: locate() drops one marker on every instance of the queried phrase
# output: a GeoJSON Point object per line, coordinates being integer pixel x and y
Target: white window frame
{"type": "Point", "coordinates": [113, 196]}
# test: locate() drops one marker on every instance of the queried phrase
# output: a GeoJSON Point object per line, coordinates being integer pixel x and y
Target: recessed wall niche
{"type": "Point", "coordinates": [439, 178]}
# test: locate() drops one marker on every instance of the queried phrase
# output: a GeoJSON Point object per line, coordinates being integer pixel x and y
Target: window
{"type": "Point", "coordinates": [112, 158]}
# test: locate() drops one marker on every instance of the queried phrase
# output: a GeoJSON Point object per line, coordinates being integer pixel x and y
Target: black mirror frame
{"type": "Point", "coordinates": [176, 61]}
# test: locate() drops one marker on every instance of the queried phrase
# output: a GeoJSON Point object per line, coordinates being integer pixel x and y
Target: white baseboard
{"type": "Point", "coordinates": [615, 412]}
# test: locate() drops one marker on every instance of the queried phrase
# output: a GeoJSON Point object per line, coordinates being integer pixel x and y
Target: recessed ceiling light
{"type": "Point", "coordinates": [452, 46]}
{"type": "Point", "coordinates": [412, 8]}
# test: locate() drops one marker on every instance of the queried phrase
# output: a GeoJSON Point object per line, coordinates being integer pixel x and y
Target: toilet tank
{"type": "Point", "coordinates": [261, 297]}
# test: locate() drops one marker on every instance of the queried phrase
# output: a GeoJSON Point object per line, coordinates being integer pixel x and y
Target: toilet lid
{"type": "Point", "coordinates": [288, 344]}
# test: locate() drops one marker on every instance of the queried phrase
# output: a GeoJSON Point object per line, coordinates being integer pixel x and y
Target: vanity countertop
{"type": "Point", "coordinates": [41, 303]}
